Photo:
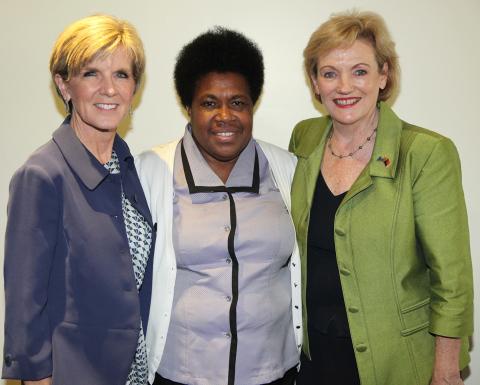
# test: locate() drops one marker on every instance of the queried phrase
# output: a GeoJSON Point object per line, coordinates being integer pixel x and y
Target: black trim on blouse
{"type": "Point", "coordinates": [193, 189]}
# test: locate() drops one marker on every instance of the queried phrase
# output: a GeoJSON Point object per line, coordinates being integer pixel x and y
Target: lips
{"type": "Point", "coordinates": [225, 135]}
{"type": "Point", "coordinates": [106, 106]}
{"type": "Point", "coordinates": [346, 102]}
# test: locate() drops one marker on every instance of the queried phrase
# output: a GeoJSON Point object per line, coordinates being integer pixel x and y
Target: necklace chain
{"type": "Point", "coordinates": [350, 154]}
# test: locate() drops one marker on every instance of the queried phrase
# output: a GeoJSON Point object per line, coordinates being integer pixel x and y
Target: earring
{"type": "Point", "coordinates": [67, 106]}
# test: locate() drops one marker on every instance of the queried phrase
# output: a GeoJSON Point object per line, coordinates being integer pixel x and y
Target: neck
{"type": "Point", "coordinates": [99, 143]}
{"type": "Point", "coordinates": [222, 169]}
{"type": "Point", "coordinates": [348, 133]}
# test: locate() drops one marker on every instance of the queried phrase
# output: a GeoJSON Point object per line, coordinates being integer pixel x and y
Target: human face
{"type": "Point", "coordinates": [221, 116]}
{"type": "Point", "coordinates": [348, 81]}
{"type": "Point", "coordinates": [101, 93]}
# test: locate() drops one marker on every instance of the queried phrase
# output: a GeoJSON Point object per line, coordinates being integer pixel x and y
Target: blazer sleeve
{"type": "Point", "coordinates": [442, 229]}
{"type": "Point", "coordinates": [31, 234]}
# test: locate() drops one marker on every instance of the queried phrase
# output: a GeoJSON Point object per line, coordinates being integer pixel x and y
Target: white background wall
{"type": "Point", "coordinates": [437, 40]}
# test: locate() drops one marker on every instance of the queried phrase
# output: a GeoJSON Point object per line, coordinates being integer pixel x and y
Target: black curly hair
{"type": "Point", "coordinates": [218, 50]}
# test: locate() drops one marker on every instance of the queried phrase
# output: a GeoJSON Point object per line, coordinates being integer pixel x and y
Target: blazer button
{"type": "Point", "coordinates": [361, 348]}
{"type": "Point", "coordinates": [8, 360]}
{"type": "Point", "coordinates": [340, 232]}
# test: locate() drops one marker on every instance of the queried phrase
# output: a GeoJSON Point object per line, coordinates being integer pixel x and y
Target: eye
{"type": "Point", "coordinates": [89, 73]}
{"type": "Point", "coordinates": [123, 75]}
{"type": "Point", "coordinates": [209, 104]}
{"type": "Point", "coordinates": [360, 72]}
{"type": "Point", "coordinates": [238, 103]}
{"type": "Point", "coordinates": [329, 75]}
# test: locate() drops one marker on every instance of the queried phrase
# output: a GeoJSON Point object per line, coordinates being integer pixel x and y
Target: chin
{"type": "Point", "coordinates": [107, 126]}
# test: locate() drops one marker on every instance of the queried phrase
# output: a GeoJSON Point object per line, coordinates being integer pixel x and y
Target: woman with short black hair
{"type": "Point", "coordinates": [226, 305]}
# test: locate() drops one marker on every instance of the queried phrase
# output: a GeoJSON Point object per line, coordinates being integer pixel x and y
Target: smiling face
{"type": "Point", "coordinates": [221, 116]}
{"type": "Point", "coordinates": [101, 93]}
{"type": "Point", "coordinates": [348, 81]}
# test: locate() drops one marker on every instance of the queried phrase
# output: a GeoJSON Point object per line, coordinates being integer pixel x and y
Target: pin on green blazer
{"type": "Point", "coordinates": [402, 244]}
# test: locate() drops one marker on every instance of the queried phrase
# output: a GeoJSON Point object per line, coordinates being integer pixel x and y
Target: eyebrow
{"type": "Point", "coordinates": [356, 65]}
{"type": "Point", "coordinates": [93, 68]}
{"type": "Point", "coordinates": [231, 97]}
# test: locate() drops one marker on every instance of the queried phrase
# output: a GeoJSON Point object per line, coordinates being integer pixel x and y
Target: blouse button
{"type": "Point", "coordinates": [228, 260]}
{"type": "Point", "coordinates": [227, 334]}
{"type": "Point", "coordinates": [228, 298]}
{"type": "Point", "coordinates": [226, 228]}
{"type": "Point", "coordinates": [224, 197]}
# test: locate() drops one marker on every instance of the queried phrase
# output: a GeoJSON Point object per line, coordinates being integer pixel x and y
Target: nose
{"type": "Point", "coordinates": [108, 86]}
{"type": "Point", "coordinates": [344, 84]}
{"type": "Point", "coordinates": [224, 114]}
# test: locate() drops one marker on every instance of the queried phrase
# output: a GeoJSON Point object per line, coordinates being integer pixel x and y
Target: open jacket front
{"type": "Point", "coordinates": [402, 245]}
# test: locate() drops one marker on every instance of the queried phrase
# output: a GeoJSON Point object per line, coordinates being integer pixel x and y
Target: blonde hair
{"type": "Point", "coordinates": [342, 30]}
{"type": "Point", "coordinates": [95, 37]}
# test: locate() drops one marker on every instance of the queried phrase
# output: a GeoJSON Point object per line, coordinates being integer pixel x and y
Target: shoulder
{"type": "Point", "coordinates": [420, 144]}
{"type": "Point", "coordinates": [38, 180]}
{"type": "Point", "coordinates": [159, 158]}
{"type": "Point", "coordinates": [279, 160]}
{"type": "Point", "coordinates": [277, 153]}
{"type": "Point", "coordinates": [307, 134]}
{"type": "Point", "coordinates": [415, 141]}
{"type": "Point", "coordinates": [428, 154]}
{"type": "Point", "coordinates": [45, 163]}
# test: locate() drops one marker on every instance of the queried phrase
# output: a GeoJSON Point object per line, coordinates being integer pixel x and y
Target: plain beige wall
{"type": "Point", "coordinates": [437, 40]}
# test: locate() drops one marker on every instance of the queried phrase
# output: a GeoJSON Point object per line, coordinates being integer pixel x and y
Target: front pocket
{"type": "Point", "coordinates": [415, 317]}
{"type": "Point", "coordinates": [412, 330]}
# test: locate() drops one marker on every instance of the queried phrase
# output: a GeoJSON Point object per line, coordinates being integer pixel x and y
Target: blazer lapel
{"type": "Point", "coordinates": [384, 160]}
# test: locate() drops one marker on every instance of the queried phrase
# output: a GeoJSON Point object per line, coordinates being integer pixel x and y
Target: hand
{"type": "Point", "coordinates": [45, 381]}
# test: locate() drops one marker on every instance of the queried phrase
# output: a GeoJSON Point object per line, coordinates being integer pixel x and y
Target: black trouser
{"type": "Point", "coordinates": [287, 379]}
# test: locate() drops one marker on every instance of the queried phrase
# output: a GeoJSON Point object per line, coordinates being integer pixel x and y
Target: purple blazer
{"type": "Point", "coordinates": [72, 307]}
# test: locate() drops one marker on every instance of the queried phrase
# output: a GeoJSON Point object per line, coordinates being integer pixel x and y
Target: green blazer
{"type": "Point", "coordinates": [402, 245]}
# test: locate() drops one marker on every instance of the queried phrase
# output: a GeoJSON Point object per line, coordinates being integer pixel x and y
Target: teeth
{"type": "Point", "coordinates": [106, 106]}
{"type": "Point", "coordinates": [224, 133]}
{"type": "Point", "coordinates": [346, 102]}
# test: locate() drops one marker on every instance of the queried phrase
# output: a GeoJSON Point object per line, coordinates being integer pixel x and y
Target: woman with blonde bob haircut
{"type": "Point", "coordinates": [79, 232]}
{"type": "Point", "coordinates": [381, 224]}
{"type": "Point", "coordinates": [97, 36]}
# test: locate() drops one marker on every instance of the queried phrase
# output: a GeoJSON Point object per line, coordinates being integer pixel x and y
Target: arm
{"type": "Point", "coordinates": [446, 369]}
{"type": "Point", "coordinates": [442, 230]}
{"type": "Point", "coordinates": [29, 249]}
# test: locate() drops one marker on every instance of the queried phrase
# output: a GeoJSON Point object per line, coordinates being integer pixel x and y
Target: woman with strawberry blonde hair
{"type": "Point", "coordinates": [381, 224]}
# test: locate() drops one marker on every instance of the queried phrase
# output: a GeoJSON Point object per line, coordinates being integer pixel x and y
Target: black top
{"type": "Point", "coordinates": [325, 304]}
